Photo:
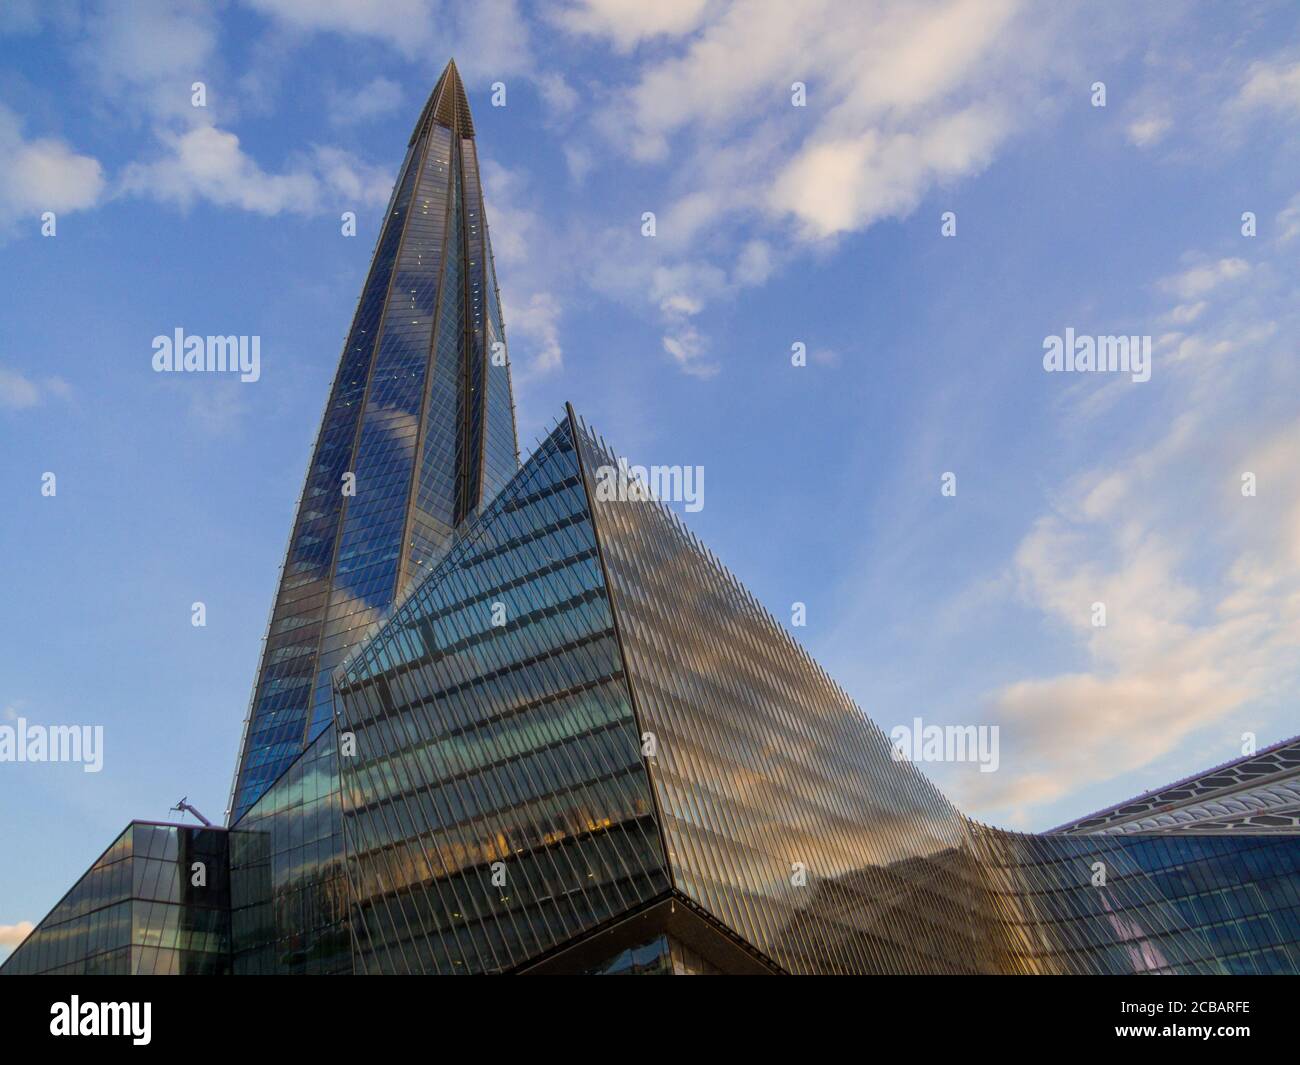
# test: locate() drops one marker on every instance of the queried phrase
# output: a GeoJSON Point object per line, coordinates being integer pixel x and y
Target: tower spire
{"type": "Point", "coordinates": [447, 105]}
{"type": "Point", "coordinates": [418, 435]}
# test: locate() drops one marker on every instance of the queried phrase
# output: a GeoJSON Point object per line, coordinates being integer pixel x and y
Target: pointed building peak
{"type": "Point", "coordinates": [427, 346]}
{"type": "Point", "coordinates": [447, 105]}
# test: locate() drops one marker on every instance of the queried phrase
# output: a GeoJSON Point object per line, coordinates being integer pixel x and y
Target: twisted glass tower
{"type": "Point", "coordinates": [417, 434]}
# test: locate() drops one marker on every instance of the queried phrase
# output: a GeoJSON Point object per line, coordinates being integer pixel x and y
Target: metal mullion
{"type": "Point", "coordinates": [459, 944]}
{"type": "Point", "coordinates": [406, 795]}
{"type": "Point", "coordinates": [386, 860]}
{"type": "Point", "coordinates": [481, 773]}
{"type": "Point", "coordinates": [462, 828]}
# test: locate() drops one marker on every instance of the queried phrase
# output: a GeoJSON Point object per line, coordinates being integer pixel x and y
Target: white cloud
{"type": "Point", "coordinates": [1186, 313]}
{"type": "Point", "coordinates": [559, 96]}
{"type": "Point", "coordinates": [150, 52]}
{"type": "Point", "coordinates": [754, 263]}
{"type": "Point", "coordinates": [206, 163]}
{"type": "Point", "coordinates": [1200, 582]}
{"type": "Point", "coordinates": [1274, 86]}
{"type": "Point", "coordinates": [531, 310]}
{"type": "Point", "coordinates": [48, 173]}
{"type": "Point", "coordinates": [144, 60]}
{"type": "Point", "coordinates": [681, 304]}
{"type": "Point", "coordinates": [688, 348]}
{"type": "Point", "coordinates": [846, 184]}
{"type": "Point", "coordinates": [1145, 132]}
{"type": "Point", "coordinates": [513, 229]}
{"type": "Point", "coordinates": [43, 174]}
{"type": "Point", "coordinates": [578, 161]}
{"type": "Point", "coordinates": [349, 180]}
{"type": "Point", "coordinates": [19, 392]}
{"type": "Point", "coordinates": [1174, 656]}
{"type": "Point", "coordinates": [1196, 281]}
{"type": "Point", "coordinates": [868, 66]}
{"type": "Point", "coordinates": [1288, 221]}
{"type": "Point", "coordinates": [537, 323]}
{"type": "Point", "coordinates": [682, 288]}
{"type": "Point", "coordinates": [1078, 729]}
{"type": "Point", "coordinates": [488, 38]}
{"type": "Point", "coordinates": [11, 935]}
{"type": "Point", "coordinates": [902, 97]}
{"type": "Point", "coordinates": [379, 96]}
{"type": "Point", "coordinates": [629, 22]}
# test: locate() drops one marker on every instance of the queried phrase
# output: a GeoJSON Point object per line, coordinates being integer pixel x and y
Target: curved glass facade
{"type": "Point", "coordinates": [504, 723]}
{"type": "Point", "coordinates": [581, 702]}
{"type": "Point", "coordinates": [417, 434]}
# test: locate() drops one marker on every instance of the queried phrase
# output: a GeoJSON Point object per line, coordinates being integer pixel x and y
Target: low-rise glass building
{"type": "Point", "coordinates": [155, 903]}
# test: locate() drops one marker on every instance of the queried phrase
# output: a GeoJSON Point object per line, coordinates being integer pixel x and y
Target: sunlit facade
{"type": "Point", "coordinates": [497, 806]}
{"type": "Point", "coordinates": [504, 723]}
{"type": "Point", "coordinates": [287, 888]}
{"type": "Point", "coordinates": [582, 746]}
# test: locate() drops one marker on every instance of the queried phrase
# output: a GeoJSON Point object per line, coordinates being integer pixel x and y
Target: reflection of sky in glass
{"type": "Point", "coordinates": [410, 384]}
{"type": "Point", "coordinates": [136, 911]}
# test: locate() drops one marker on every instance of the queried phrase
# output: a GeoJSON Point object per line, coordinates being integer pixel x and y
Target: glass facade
{"type": "Point", "coordinates": [157, 902]}
{"type": "Point", "coordinates": [1256, 794]}
{"type": "Point", "coordinates": [1186, 904]}
{"type": "Point", "coordinates": [496, 806]}
{"type": "Point", "coordinates": [505, 723]}
{"type": "Point", "coordinates": [750, 787]}
{"type": "Point", "coordinates": [662, 956]}
{"type": "Point", "coordinates": [772, 787]}
{"type": "Point", "coordinates": [289, 911]}
{"type": "Point", "coordinates": [417, 434]}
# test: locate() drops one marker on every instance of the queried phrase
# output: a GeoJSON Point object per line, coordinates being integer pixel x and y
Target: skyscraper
{"type": "Point", "coordinates": [418, 431]}
{"type": "Point", "coordinates": [506, 723]}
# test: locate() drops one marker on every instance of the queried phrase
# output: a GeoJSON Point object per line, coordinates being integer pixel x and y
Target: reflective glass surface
{"type": "Point", "coordinates": [785, 816]}
{"type": "Point", "coordinates": [664, 955]}
{"type": "Point", "coordinates": [420, 415]}
{"type": "Point", "coordinates": [496, 806]}
{"type": "Point", "coordinates": [788, 819]}
{"type": "Point", "coordinates": [288, 892]}
{"type": "Point", "coordinates": [157, 902]}
{"type": "Point", "coordinates": [580, 745]}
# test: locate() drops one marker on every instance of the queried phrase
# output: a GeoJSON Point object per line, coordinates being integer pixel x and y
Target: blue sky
{"type": "Point", "coordinates": [775, 224]}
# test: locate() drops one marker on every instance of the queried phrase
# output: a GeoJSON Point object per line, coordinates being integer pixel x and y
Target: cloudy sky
{"type": "Point", "coordinates": [776, 225]}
